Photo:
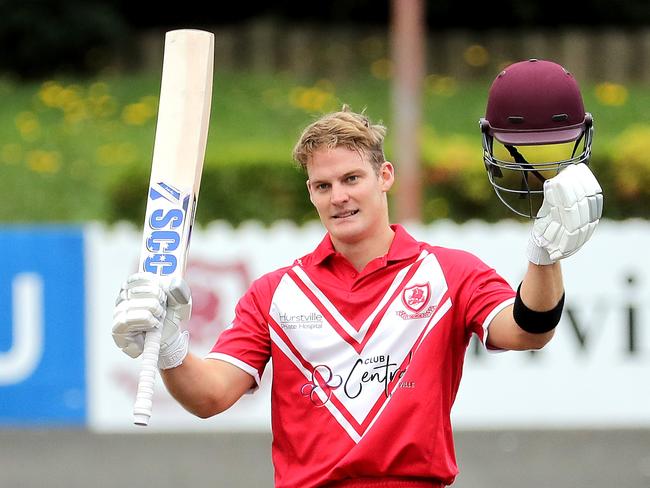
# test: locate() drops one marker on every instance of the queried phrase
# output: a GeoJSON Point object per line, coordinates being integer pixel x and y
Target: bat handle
{"type": "Point", "coordinates": [144, 396]}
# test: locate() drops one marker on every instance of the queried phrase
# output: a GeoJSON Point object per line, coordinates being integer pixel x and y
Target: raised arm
{"type": "Point", "coordinates": [205, 387]}
{"type": "Point", "coordinates": [572, 208]}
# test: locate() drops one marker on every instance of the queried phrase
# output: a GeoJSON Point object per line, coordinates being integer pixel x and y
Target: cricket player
{"type": "Point", "coordinates": [368, 332]}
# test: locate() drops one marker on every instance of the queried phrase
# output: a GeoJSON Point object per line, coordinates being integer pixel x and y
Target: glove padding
{"type": "Point", "coordinates": [144, 304]}
{"type": "Point", "coordinates": [572, 207]}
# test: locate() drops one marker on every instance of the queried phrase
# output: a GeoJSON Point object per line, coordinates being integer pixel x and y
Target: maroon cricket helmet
{"type": "Point", "coordinates": [532, 102]}
{"type": "Point", "coordinates": [535, 102]}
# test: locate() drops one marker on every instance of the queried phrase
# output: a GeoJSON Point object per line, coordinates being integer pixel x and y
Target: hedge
{"type": "Point", "coordinates": [271, 191]}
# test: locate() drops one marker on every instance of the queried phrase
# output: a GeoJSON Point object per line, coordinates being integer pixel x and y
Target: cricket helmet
{"type": "Point", "coordinates": [532, 103]}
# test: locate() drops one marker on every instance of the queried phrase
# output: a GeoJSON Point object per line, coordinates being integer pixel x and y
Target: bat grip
{"type": "Point", "coordinates": [144, 396]}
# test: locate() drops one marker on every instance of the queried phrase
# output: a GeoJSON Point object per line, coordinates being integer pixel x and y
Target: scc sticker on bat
{"type": "Point", "coordinates": [167, 228]}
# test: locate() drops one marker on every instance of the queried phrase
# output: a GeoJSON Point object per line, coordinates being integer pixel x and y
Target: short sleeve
{"type": "Point", "coordinates": [477, 290]}
{"type": "Point", "coordinates": [490, 294]}
{"type": "Point", "coordinates": [246, 342]}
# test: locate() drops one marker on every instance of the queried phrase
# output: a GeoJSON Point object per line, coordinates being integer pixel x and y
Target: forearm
{"type": "Point", "coordinates": [541, 291]}
{"type": "Point", "coordinates": [542, 286]}
{"type": "Point", "coordinates": [197, 385]}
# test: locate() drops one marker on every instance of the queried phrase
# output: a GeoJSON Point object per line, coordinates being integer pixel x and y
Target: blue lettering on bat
{"type": "Point", "coordinates": [163, 241]}
{"type": "Point", "coordinates": [161, 264]}
{"type": "Point", "coordinates": [160, 219]}
{"type": "Point", "coordinates": [166, 225]}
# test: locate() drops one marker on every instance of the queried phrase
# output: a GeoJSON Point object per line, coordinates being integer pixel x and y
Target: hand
{"type": "Point", "coordinates": [144, 304]}
{"type": "Point", "coordinates": [572, 207]}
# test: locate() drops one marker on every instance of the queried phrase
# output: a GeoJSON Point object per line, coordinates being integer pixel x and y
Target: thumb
{"type": "Point", "coordinates": [179, 292]}
{"type": "Point", "coordinates": [179, 297]}
{"type": "Point", "coordinates": [549, 200]}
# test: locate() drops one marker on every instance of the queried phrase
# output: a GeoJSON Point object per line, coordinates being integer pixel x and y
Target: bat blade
{"type": "Point", "coordinates": [177, 163]}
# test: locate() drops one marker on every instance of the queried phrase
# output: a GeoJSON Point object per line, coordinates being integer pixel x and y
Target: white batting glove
{"type": "Point", "coordinates": [144, 304]}
{"type": "Point", "coordinates": [572, 207]}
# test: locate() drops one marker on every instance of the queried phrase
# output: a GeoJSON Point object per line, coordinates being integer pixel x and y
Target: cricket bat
{"type": "Point", "coordinates": [179, 150]}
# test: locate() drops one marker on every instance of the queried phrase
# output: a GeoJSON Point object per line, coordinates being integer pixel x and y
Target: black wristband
{"type": "Point", "coordinates": [536, 322]}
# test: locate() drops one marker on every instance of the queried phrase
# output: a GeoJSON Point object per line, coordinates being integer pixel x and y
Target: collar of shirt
{"type": "Point", "coordinates": [404, 246]}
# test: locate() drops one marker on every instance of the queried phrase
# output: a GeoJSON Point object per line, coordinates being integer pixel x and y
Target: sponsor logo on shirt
{"type": "Point", "coordinates": [376, 369]}
{"type": "Point", "coordinates": [380, 370]}
{"type": "Point", "coordinates": [311, 320]}
{"type": "Point", "coordinates": [323, 383]}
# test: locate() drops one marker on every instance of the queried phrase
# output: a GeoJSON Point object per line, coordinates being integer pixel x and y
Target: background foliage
{"type": "Point", "coordinates": [79, 102]}
{"type": "Point", "coordinates": [77, 149]}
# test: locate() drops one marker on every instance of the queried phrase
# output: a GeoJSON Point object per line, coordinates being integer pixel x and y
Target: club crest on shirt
{"type": "Point", "coordinates": [416, 297]}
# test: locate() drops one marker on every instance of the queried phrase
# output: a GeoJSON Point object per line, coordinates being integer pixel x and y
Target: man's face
{"type": "Point", "coordinates": [348, 194]}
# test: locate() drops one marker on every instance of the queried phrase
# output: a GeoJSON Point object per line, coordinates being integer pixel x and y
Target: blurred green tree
{"type": "Point", "coordinates": [42, 37]}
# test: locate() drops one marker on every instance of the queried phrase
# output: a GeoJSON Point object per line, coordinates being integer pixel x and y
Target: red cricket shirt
{"type": "Point", "coordinates": [366, 366]}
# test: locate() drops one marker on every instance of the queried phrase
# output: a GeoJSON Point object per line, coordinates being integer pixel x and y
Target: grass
{"type": "Point", "coordinates": [63, 142]}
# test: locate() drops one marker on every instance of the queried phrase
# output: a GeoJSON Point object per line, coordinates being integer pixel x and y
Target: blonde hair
{"type": "Point", "coordinates": [347, 129]}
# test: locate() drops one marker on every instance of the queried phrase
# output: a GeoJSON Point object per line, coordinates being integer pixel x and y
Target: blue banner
{"type": "Point", "coordinates": [42, 317]}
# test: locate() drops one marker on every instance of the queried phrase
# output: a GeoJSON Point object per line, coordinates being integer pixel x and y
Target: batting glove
{"type": "Point", "coordinates": [572, 207]}
{"type": "Point", "coordinates": [144, 304]}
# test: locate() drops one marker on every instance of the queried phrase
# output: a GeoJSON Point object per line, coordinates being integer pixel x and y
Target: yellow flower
{"type": "Point", "coordinates": [313, 99]}
{"type": "Point", "coordinates": [632, 161]}
{"type": "Point", "coordinates": [445, 86]}
{"type": "Point", "coordinates": [50, 93]}
{"type": "Point", "coordinates": [70, 98]}
{"type": "Point", "coordinates": [75, 111]}
{"type": "Point", "coordinates": [28, 125]}
{"type": "Point", "coordinates": [40, 161]}
{"type": "Point", "coordinates": [476, 56]}
{"type": "Point", "coordinates": [139, 113]}
{"type": "Point", "coordinates": [613, 94]}
{"type": "Point", "coordinates": [100, 104]}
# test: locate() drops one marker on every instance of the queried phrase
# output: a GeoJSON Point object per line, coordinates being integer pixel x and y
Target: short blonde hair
{"type": "Point", "coordinates": [347, 129]}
